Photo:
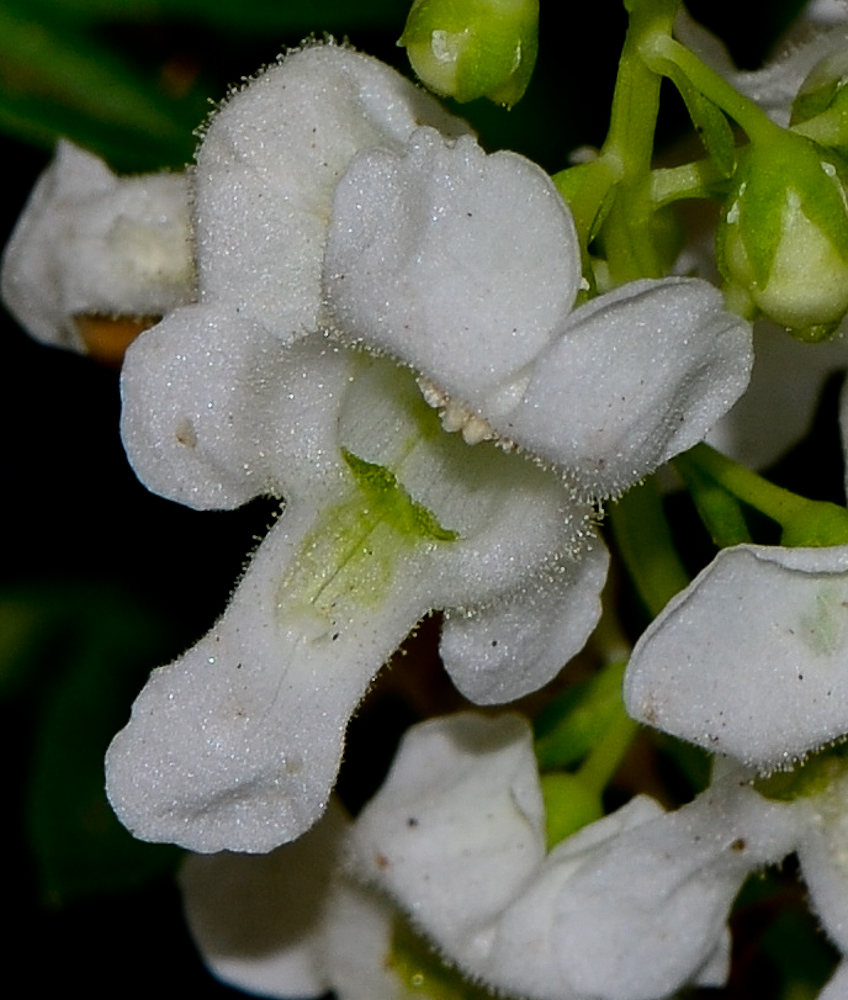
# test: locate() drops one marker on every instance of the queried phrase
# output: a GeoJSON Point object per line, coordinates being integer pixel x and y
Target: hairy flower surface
{"type": "Point", "coordinates": [342, 216]}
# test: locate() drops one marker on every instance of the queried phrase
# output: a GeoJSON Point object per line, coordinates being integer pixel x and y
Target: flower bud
{"type": "Point", "coordinates": [782, 244]}
{"type": "Point", "coordinates": [473, 48]}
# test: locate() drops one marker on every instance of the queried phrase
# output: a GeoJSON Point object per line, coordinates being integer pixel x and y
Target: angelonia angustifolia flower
{"type": "Point", "coordinates": [473, 48]}
{"type": "Point", "coordinates": [782, 244]}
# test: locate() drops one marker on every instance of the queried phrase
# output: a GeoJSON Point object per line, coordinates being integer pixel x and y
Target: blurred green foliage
{"type": "Point", "coordinates": [75, 656]}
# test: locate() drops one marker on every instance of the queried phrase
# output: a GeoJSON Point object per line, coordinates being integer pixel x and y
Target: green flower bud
{"type": "Point", "coordinates": [473, 48]}
{"type": "Point", "coordinates": [782, 244]}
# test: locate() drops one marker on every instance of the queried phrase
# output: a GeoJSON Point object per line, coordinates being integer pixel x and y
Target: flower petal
{"type": "Point", "coordinates": [750, 659]}
{"type": "Point", "coordinates": [216, 411]}
{"type": "Point", "coordinates": [91, 243]}
{"type": "Point", "coordinates": [357, 943]}
{"type": "Point", "coordinates": [258, 920]}
{"type": "Point", "coordinates": [236, 745]}
{"type": "Point", "coordinates": [269, 163]}
{"type": "Point", "coordinates": [639, 912]}
{"type": "Point", "coordinates": [511, 518]}
{"type": "Point", "coordinates": [454, 262]}
{"type": "Point", "coordinates": [457, 828]}
{"type": "Point", "coordinates": [777, 409]}
{"type": "Point", "coordinates": [822, 853]}
{"type": "Point", "coordinates": [637, 376]}
{"type": "Point", "coordinates": [515, 644]}
{"type": "Point", "coordinates": [836, 988]}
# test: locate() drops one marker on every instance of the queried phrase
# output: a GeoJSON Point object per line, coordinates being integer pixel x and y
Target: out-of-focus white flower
{"type": "Point", "coordinates": [777, 410]}
{"type": "Point", "coordinates": [464, 268]}
{"type": "Point", "coordinates": [257, 920]}
{"type": "Point", "coordinates": [633, 907]}
{"type": "Point", "coordinates": [291, 923]}
{"type": "Point", "coordinates": [92, 244]}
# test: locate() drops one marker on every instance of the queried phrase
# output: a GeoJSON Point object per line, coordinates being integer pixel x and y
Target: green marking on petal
{"type": "Point", "coordinates": [824, 629]}
{"type": "Point", "coordinates": [348, 561]}
{"type": "Point", "coordinates": [423, 973]}
{"type": "Point", "coordinates": [385, 493]}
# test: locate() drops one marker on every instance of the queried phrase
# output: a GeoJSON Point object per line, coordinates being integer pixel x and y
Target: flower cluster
{"type": "Point", "coordinates": [444, 365]}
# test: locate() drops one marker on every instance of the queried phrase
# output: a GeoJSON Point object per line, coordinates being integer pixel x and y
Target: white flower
{"type": "Point", "coordinates": [465, 268]}
{"type": "Point", "coordinates": [91, 244]}
{"type": "Point", "coordinates": [750, 661]}
{"type": "Point", "coordinates": [632, 907]}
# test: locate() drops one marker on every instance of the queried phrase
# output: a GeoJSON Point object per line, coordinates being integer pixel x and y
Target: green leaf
{"type": "Point", "coordinates": [106, 647]}
{"type": "Point", "coordinates": [55, 80]}
{"type": "Point", "coordinates": [244, 16]}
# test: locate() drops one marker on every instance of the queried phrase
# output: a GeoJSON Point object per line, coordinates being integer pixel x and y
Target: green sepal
{"type": "Point", "coordinates": [820, 111]}
{"type": "Point", "coordinates": [467, 49]}
{"type": "Point", "coordinates": [589, 190]}
{"type": "Point", "coordinates": [770, 171]}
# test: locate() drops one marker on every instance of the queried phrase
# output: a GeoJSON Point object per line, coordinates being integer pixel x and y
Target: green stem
{"type": "Point", "coordinates": [604, 760]}
{"type": "Point", "coordinates": [804, 521]}
{"type": "Point", "coordinates": [629, 146]}
{"type": "Point", "coordinates": [658, 49]}
{"type": "Point", "coordinates": [701, 179]}
{"type": "Point", "coordinates": [718, 509]}
{"type": "Point", "coordinates": [644, 540]}
{"type": "Point", "coordinates": [775, 502]}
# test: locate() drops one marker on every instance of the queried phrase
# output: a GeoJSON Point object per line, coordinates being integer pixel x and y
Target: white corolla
{"type": "Point", "coordinates": [368, 280]}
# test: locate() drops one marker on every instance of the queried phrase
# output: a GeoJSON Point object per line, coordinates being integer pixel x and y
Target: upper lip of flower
{"type": "Point", "coordinates": [466, 267]}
